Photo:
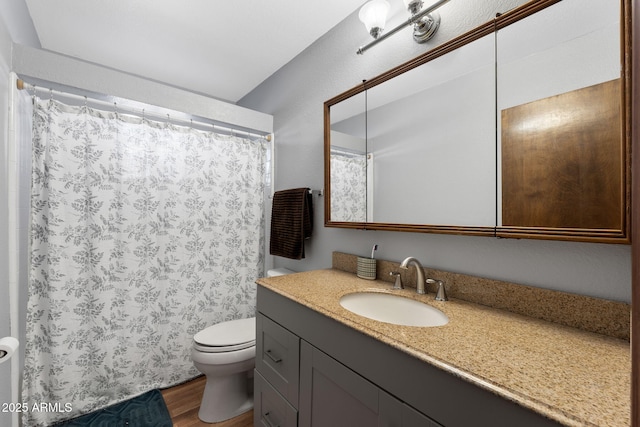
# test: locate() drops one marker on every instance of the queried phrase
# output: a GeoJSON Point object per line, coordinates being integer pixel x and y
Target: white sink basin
{"type": "Point", "coordinates": [394, 309]}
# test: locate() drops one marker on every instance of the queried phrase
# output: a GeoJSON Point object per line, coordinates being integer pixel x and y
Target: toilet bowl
{"type": "Point", "coordinates": [225, 354]}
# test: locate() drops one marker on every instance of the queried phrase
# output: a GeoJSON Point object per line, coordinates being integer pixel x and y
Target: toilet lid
{"type": "Point", "coordinates": [227, 336]}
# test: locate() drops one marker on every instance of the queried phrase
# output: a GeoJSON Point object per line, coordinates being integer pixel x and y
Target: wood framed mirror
{"type": "Point", "coordinates": [461, 163]}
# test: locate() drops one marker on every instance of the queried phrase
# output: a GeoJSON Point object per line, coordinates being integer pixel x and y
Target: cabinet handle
{"type": "Point", "coordinates": [275, 359]}
{"type": "Point", "coordinates": [266, 419]}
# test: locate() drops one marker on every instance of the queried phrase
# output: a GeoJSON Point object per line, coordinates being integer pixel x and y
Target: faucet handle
{"type": "Point", "coordinates": [398, 284]}
{"type": "Point", "coordinates": [441, 293]}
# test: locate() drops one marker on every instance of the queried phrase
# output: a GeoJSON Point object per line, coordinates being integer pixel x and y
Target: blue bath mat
{"type": "Point", "coordinates": [147, 410]}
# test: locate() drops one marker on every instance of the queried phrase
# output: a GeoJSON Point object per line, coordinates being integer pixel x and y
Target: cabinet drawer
{"type": "Point", "coordinates": [269, 407]}
{"type": "Point", "coordinates": [278, 357]}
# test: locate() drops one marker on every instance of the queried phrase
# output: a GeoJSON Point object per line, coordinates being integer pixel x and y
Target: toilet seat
{"type": "Point", "coordinates": [226, 354]}
{"type": "Point", "coordinates": [228, 336]}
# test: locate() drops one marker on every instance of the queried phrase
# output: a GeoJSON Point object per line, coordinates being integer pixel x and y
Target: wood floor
{"type": "Point", "coordinates": [183, 402]}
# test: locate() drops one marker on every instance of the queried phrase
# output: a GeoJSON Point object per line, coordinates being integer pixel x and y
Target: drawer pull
{"type": "Point", "coordinates": [272, 357]}
{"type": "Point", "coordinates": [266, 417]}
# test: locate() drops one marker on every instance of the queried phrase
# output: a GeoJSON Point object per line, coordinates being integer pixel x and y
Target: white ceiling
{"type": "Point", "coordinates": [219, 48]}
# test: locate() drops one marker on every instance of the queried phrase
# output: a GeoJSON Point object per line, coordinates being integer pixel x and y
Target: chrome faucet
{"type": "Point", "coordinates": [419, 272]}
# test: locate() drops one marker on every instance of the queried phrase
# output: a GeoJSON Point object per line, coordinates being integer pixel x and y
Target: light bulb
{"type": "Point", "coordinates": [374, 15]}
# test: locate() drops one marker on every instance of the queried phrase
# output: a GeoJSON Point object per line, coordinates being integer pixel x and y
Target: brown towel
{"type": "Point", "coordinates": [291, 222]}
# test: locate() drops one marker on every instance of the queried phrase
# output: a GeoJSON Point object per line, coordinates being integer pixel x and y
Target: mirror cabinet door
{"type": "Point", "coordinates": [347, 161]}
{"type": "Point", "coordinates": [431, 137]}
{"type": "Point", "coordinates": [561, 139]}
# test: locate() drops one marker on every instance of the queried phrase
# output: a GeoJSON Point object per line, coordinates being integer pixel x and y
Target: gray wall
{"type": "Point", "coordinates": [5, 323]}
{"type": "Point", "coordinates": [294, 96]}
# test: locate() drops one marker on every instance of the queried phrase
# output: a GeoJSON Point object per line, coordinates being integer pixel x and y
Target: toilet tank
{"type": "Point", "coordinates": [279, 272]}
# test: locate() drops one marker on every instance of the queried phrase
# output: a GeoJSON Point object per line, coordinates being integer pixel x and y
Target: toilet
{"type": "Point", "coordinates": [225, 354]}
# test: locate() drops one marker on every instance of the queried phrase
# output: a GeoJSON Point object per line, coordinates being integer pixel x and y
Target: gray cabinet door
{"type": "Point", "coordinates": [333, 395]}
{"type": "Point", "coordinates": [394, 413]}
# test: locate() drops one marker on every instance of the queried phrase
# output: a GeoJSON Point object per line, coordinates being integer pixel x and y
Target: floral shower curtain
{"type": "Point", "coordinates": [142, 234]}
{"type": "Point", "coordinates": [348, 186]}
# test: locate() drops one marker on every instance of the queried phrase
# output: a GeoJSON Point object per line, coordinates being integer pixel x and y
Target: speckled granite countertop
{"type": "Point", "coordinates": [575, 377]}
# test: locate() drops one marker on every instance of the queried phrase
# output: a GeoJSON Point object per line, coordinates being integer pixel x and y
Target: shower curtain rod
{"type": "Point", "coordinates": [142, 112]}
{"type": "Point", "coordinates": [347, 152]}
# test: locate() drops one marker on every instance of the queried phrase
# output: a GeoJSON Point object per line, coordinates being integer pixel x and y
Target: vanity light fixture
{"type": "Point", "coordinates": [425, 21]}
{"type": "Point", "coordinates": [374, 15]}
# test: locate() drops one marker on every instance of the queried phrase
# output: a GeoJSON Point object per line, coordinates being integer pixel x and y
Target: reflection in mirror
{"type": "Point", "coordinates": [431, 131]}
{"type": "Point", "coordinates": [561, 130]}
{"type": "Point", "coordinates": [422, 161]}
{"type": "Point", "coordinates": [349, 184]}
{"type": "Point", "coordinates": [348, 161]}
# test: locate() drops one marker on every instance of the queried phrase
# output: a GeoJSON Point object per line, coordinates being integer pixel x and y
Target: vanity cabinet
{"type": "Point", "coordinates": [270, 408]}
{"type": "Point", "coordinates": [333, 395]}
{"type": "Point", "coordinates": [278, 357]}
{"type": "Point", "coordinates": [276, 377]}
{"type": "Point", "coordinates": [327, 393]}
{"type": "Point", "coordinates": [346, 378]}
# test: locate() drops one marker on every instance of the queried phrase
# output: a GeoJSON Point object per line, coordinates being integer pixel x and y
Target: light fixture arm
{"type": "Point", "coordinates": [415, 18]}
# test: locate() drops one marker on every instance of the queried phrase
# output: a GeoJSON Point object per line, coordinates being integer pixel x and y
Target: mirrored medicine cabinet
{"type": "Point", "coordinates": [519, 128]}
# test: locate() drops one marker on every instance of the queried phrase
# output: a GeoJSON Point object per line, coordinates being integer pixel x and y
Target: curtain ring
{"type": "Point", "coordinates": [33, 94]}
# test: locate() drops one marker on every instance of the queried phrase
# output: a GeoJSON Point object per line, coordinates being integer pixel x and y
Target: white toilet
{"type": "Point", "coordinates": [225, 354]}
